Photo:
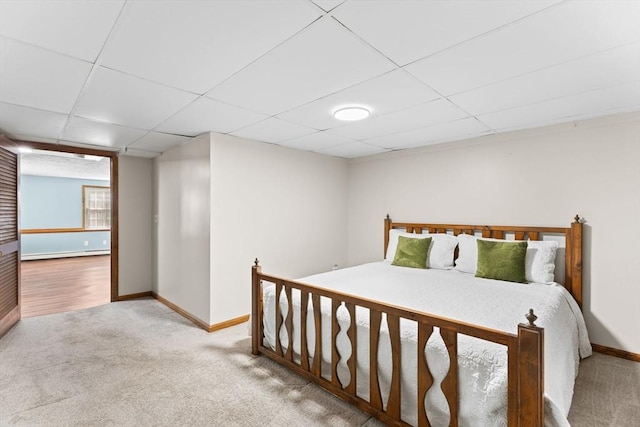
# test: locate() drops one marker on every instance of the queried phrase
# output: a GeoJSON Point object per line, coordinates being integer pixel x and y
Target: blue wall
{"type": "Point", "coordinates": [65, 242]}
{"type": "Point", "coordinates": [51, 202]}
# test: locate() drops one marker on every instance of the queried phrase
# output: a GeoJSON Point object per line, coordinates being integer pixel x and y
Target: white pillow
{"type": "Point", "coordinates": [441, 250]}
{"type": "Point", "coordinates": [467, 261]}
{"type": "Point", "coordinates": [539, 261]}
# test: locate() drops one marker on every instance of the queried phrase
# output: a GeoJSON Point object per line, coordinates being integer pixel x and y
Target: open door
{"type": "Point", "coordinates": [9, 236]}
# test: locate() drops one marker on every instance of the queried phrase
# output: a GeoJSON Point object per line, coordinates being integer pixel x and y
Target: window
{"type": "Point", "coordinates": [96, 207]}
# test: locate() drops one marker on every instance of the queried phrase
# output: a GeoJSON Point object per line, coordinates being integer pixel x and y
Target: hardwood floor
{"type": "Point", "coordinates": [57, 285]}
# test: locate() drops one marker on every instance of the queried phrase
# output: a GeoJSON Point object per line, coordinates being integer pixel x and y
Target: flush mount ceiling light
{"type": "Point", "coordinates": [351, 114]}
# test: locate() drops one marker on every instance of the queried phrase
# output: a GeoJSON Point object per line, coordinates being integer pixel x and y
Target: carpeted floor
{"type": "Point", "coordinates": [138, 363]}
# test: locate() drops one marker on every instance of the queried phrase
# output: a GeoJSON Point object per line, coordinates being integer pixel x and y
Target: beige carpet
{"type": "Point", "coordinates": [138, 363]}
{"type": "Point", "coordinates": [607, 393]}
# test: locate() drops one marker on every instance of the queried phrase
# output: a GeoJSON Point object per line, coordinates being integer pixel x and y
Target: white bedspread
{"type": "Point", "coordinates": [482, 365]}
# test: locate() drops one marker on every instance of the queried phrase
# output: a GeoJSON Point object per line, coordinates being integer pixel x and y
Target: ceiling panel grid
{"type": "Point", "coordinates": [144, 76]}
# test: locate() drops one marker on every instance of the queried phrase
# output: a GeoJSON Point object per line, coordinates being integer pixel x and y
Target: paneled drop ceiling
{"type": "Point", "coordinates": [141, 76]}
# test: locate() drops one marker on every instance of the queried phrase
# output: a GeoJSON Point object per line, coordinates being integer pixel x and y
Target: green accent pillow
{"type": "Point", "coordinates": [412, 252]}
{"type": "Point", "coordinates": [502, 260]}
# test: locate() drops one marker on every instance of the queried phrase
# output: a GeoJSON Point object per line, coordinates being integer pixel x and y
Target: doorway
{"type": "Point", "coordinates": [76, 277]}
{"type": "Point", "coordinates": [65, 220]}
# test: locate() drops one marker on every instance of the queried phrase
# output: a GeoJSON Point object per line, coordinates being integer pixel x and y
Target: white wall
{"type": "Point", "coordinates": [182, 179]}
{"type": "Point", "coordinates": [537, 177]}
{"type": "Point", "coordinates": [135, 178]}
{"type": "Point", "coordinates": [286, 207]}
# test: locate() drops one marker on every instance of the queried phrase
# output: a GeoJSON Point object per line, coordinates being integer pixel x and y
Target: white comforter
{"type": "Point", "coordinates": [482, 365]}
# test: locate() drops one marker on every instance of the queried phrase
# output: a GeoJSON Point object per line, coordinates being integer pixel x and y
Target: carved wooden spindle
{"type": "Point", "coordinates": [317, 322]}
{"type": "Point", "coordinates": [393, 403]}
{"type": "Point", "coordinates": [351, 363]}
{"type": "Point", "coordinates": [304, 345]}
{"type": "Point", "coordinates": [375, 320]}
{"type": "Point", "coordinates": [449, 385]}
{"type": "Point", "coordinates": [278, 318]}
{"type": "Point", "coordinates": [289, 323]}
{"type": "Point", "coordinates": [425, 380]}
{"type": "Point", "coordinates": [335, 329]}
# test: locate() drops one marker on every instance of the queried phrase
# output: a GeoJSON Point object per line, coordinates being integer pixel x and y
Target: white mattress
{"type": "Point", "coordinates": [482, 365]}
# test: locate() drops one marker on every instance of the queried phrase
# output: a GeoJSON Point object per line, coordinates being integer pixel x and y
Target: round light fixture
{"type": "Point", "coordinates": [351, 114]}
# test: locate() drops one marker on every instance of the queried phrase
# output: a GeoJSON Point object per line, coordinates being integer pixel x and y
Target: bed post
{"type": "Point", "coordinates": [387, 227]}
{"type": "Point", "coordinates": [256, 308]}
{"type": "Point", "coordinates": [531, 373]}
{"type": "Point", "coordinates": [576, 260]}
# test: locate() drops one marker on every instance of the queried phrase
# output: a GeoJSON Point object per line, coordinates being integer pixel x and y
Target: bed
{"type": "Point", "coordinates": [436, 346]}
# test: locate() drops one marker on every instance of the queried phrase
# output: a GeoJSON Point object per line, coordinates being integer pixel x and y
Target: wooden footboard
{"type": "Point", "coordinates": [525, 352]}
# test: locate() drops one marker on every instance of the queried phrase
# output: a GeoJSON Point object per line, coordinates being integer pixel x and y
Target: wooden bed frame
{"type": "Point", "coordinates": [525, 349]}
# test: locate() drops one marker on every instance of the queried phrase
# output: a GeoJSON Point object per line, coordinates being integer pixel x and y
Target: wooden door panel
{"type": "Point", "coordinates": [9, 237]}
{"type": "Point", "coordinates": [9, 279]}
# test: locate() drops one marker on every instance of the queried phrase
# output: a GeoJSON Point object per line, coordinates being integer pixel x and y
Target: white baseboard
{"type": "Point", "coordinates": [31, 257]}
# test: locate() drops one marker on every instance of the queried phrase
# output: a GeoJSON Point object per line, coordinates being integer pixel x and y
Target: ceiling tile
{"type": "Point", "coordinates": [438, 111]}
{"type": "Point", "coordinates": [322, 59]}
{"type": "Point", "coordinates": [409, 30]}
{"type": "Point", "coordinates": [118, 98]}
{"type": "Point", "coordinates": [328, 5]}
{"type": "Point", "coordinates": [381, 95]}
{"type": "Point", "coordinates": [158, 142]}
{"type": "Point", "coordinates": [196, 44]}
{"type": "Point", "coordinates": [273, 130]}
{"type": "Point", "coordinates": [35, 77]}
{"type": "Point", "coordinates": [610, 100]}
{"type": "Point", "coordinates": [443, 132]}
{"type": "Point", "coordinates": [351, 150]}
{"type": "Point", "coordinates": [75, 28]}
{"type": "Point", "coordinates": [205, 115]}
{"type": "Point", "coordinates": [553, 36]}
{"type": "Point", "coordinates": [101, 134]}
{"type": "Point", "coordinates": [30, 123]}
{"type": "Point", "coordinates": [604, 69]}
{"type": "Point", "coordinates": [316, 141]}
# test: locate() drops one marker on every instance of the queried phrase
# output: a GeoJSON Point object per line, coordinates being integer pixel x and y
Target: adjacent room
{"type": "Point", "coordinates": [65, 217]}
{"type": "Point", "coordinates": [320, 212]}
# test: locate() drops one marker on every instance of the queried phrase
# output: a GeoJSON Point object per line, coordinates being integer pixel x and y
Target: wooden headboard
{"type": "Point", "coordinates": [572, 235]}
